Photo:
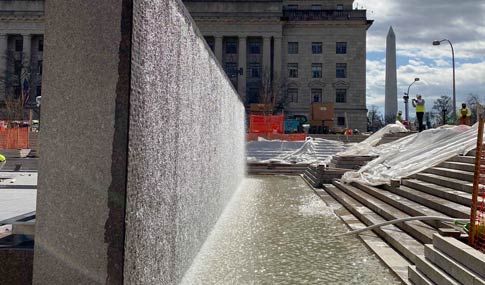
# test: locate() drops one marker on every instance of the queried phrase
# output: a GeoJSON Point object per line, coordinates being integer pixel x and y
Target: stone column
{"type": "Point", "coordinates": [218, 48]}
{"type": "Point", "coordinates": [266, 54]}
{"type": "Point", "coordinates": [27, 53]}
{"type": "Point", "coordinates": [277, 60]}
{"type": "Point", "coordinates": [3, 60]}
{"type": "Point", "coordinates": [242, 62]}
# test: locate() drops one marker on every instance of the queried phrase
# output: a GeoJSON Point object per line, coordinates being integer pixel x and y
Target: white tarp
{"type": "Point", "coordinates": [414, 153]}
{"type": "Point", "coordinates": [313, 150]}
{"type": "Point", "coordinates": [365, 147]}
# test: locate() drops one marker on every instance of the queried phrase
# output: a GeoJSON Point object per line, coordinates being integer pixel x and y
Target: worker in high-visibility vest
{"type": "Point", "coordinates": [464, 115]}
{"type": "Point", "coordinates": [418, 103]}
{"type": "Point", "coordinates": [399, 117]}
{"type": "Point", "coordinates": [3, 160]}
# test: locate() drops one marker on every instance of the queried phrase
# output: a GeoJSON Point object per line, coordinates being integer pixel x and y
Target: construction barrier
{"type": "Point", "coordinates": [476, 227]}
{"type": "Point", "coordinates": [271, 136]}
{"type": "Point", "coordinates": [14, 138]}
{"type": "Point", "coordinates": [267, 124]}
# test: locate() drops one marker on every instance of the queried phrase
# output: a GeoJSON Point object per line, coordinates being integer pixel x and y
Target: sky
{"type": "Point", "coordinates": [416, 24]}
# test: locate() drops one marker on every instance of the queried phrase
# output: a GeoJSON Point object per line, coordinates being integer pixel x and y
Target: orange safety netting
{"type": "Point", "coordinates": [14, 138]}
{"type": "Point", "coordinates": [267, 124]}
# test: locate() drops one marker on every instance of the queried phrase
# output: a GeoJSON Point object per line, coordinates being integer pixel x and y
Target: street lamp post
{"type": "Point", "coordinates": [437, 43]}
{"type": "Point", "coordinates": [406, 100]}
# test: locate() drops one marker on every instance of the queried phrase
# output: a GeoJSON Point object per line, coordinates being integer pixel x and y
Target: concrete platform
{"type": "Point", "coordinates": [18, 195]}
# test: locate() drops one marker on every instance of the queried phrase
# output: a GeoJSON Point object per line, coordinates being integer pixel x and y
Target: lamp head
{"type": "Point", "coordinates": [436, 43]}
{"type": "Point", "coordinates": [416, 79]}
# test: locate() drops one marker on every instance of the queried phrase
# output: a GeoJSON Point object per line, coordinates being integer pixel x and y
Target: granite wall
{"type": "Point", "coordinates": [142, 143]}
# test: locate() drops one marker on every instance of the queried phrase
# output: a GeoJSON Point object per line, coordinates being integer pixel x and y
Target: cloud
{"type": "Point", "coordinates": [416, 24]}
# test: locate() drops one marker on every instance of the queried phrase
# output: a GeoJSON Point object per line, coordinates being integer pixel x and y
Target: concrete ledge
{"type": "Point", "coordinates": [462, 253]}
{"type": "Point", "coordinates": [451, 267]}
{"type": "Point", "coordinates": [434, 273]}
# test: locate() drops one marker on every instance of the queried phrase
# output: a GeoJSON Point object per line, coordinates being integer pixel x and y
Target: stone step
{"type": "Point", "coordinates": [311, 179]}
{"type": "Point", "coordinates": [450, 266]}
{"type": "Point", "coordinates": [433, 272]}
{"type": "Point", "coordinates": [452, 173]}
{"type": "Point", "coordinates": [417, 277]}
{"type": "Point", "coordinates": [453, 183]}
{"type": "Point", "coordinates": [467, 256]}
{"type": "Point", "coordinates": [450, 194]}
{"type": "Point", "coordinates": [444, 206]}
{"type": "Point", "coordinates": [406, 205]}
{"type": "Point", "coordinates": [464, 159]}
{"type": "Point", "coordinates": [416, 229]}
{"type": "Point", "coordinates": [401, 241]}
{"type": "Point", "coordinates": [470, 167]}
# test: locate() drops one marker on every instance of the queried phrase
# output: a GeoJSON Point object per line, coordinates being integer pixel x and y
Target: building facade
{"type": "Point", "coordinates": [291, 52]}
{"type": "Point", "coordinates": [21, 50]}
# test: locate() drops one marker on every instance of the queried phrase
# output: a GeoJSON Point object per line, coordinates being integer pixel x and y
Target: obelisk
{"type": "Point", "coordinates": [391, 78]}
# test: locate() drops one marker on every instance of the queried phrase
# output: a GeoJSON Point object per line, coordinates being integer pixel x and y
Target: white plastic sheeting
{"type": "Point", "coordinates": [414, 153]}
{"type": "Point", "coordinates": [365, 147]}
{"type": "Point", "coordinates": [313, 150]}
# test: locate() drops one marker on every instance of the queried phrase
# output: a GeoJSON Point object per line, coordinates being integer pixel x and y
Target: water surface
{"type": "Point", "coordinates": [276, 230]}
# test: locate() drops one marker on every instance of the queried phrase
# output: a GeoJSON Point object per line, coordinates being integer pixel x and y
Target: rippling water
{"type": "Point", "coordinates": [277, 231]}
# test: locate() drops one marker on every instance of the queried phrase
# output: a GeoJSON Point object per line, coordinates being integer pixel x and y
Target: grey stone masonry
{"type": "Point", "coordinates": [129, 195]}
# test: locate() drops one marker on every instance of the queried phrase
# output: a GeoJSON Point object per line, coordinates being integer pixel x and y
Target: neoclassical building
{"type": "Point", "coordinates": [310, 51]}
{"type": "Point", "coordinates": [21, 49]}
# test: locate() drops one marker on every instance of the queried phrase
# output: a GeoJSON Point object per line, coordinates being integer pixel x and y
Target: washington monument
{"type": "Point", "coordinates": [391, 78]}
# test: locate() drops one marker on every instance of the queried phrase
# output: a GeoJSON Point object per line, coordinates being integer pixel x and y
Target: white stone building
{"type": "Point", "coordinates": [21, 49]}
{"type": "Point", "coordinates": [312, 51]}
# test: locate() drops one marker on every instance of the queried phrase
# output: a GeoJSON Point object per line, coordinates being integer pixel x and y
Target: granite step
{"type": "Point", "coordinates": [451, 173]}
{"type": "Point", "coordinates": [417, 277]}
{"type": "Point", "coordinates": [467, 256]}
{"type": "Point", "coordinates": [450, 194]}
{"type": "Point", "coordinates": [469, 167]}
{"type": "Point", "coordinates": [463, 159]}
{"type": "Point", "coordinates": [451, 267]}
{"type": "Point", "coordinates": [404, 204]}
{"type": "Point", "coordinates": [398, 239]}
{"type": "Point", "coordinates": [444, 206]}
{"type": "Point", "coordinates": [434, 273]}
{"type": "Point", "coordinates": [416, 229]}
{"type": "Point", "coordinates": [453, 183]}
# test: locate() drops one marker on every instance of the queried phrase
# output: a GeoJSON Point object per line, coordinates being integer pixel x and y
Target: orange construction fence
{"type": "Point", "coordinates": [14, 138]}
{"type": "Point", "coordinates": [267, 124]}
{"type": "Point", "coordinates": [271, 136]}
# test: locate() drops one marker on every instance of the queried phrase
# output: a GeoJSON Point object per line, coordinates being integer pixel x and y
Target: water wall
{"type": "Point", "coordinates": [142, 143]}
{"type": "Point", "coordinates": [186, 143]}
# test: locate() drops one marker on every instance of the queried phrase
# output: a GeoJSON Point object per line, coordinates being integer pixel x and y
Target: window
{"type": "Point", "coordinates": [252, 95]}
{"type": "Point", "coordinates": [41, 45]}
{"type": "Point", "coordinates": [231, 47]}
{"type": "Point", "coordinates": [316, 7]}
{"type": "Point", "coordinates": [340, 7]}
{"type": "Point", "coordinates": [17, 91]}
{"type": "Point", "coordinates": [254, 48]}
{"type": "Point", "coordinates": [317, 95]}
{"type": "Point", "coordinates": [17, 67]}
{"type": "Point", "coordinates": [19, 45]}
{"type": "Point", "coordinates": [292, 47]}
{"type": "Point", "coordinates": [341, 95]}
{"type": "Point", "coordinates": [38, 91]}
{"type": "Point", "coordinates": [293, 70]}
{"type": "Point", "coordinates": [210, 42]}
{"type": "Point", "coordinates": [317, 47]}
{"type": "Point", "coordinates": [340, 121]}
{"type": "Point", "coordinates": [341, 70]}
{"type": "Point", "coordinates": [254, 70]}
{"type": "Point", "coordinates": [316, 70]}
{"type": "Point", "coordinates": [341, 47]}
{"type": "Point", "coordinates": [293, 95]}
{"type": "Point", "coordinates": [39, 67]}
{"type": "Point", "coordinates": [292, 7]}
{"type": "Point", "coordinates": [231, 69]}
